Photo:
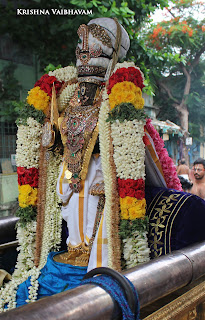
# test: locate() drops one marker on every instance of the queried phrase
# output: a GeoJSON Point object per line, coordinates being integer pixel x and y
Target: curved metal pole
{"type": "Point", "coordinates": [152, 280]}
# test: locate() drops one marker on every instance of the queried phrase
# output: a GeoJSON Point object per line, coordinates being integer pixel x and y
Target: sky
{"type": "Point", "coordinates": [160, 15]}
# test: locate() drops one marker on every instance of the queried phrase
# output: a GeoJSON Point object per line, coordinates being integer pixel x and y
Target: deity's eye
{"type": "Point", "coordinates": [79, 40]}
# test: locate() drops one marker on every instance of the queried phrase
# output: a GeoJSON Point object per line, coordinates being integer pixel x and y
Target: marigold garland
{"type": "Point", "coordinates": [132, 74]}
{"type": "Point", "coordinates": [126, 92]}
{"type": "Point", "coordinates": [131, 208]}
{"type": "Point", "coordinates": [38, 98]}
{"type": "Point", "coordinates": [27, 196]}
{"type": "Point", "coordinates": [28, 147]}
{"type": "Point", "coordinates": [127, 131]}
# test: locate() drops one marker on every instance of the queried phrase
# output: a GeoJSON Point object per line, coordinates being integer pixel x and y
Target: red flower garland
{"type": "Point", "coordinates": [131, 188]}
{"type": "Point", "coordinates": [46, 84]}
{"type": "Point", "coordinates": [168, 167]}
{"type": "Point", "coordinates": [126, 74]}
{"type": "Point", "coordinates": [27, 176]}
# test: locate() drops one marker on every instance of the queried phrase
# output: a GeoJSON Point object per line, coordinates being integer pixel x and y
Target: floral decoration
{"type": "Point", "coordinates": [131, 188]}
{"type": "Point", "coordinates": [27, 176]}
{"type": "Point", "coordinates": [131, 208]}
{"type": "Point", "coordinates": [38, 98]}
{"type": "Point", "coordinates": [126, 91]}
{"type": "Point", "coordinates": [107, 170]}
{"type": "Point", "coordinates": [127, 120]}
{"type": "Point", "coordinates": [30, 112]}
{"type": "Point", "coordinates": [52, 222]}
{"type": "Point", "coordinates": [27, 196]}
{"type": "Point", "coordinates": [132, 74]}
{"type": "Point", "coordinates": [28, 144]}
{"type": "Point", "coordinates": [66, 95]}
{"type": "Point", "coordinates": [64, 74]}
{"type": "Point", "coordinates": [28, 160]}
{"type": "Point", "coordinates": [129, 160]}
{"type": "Point", "coordinates": [135, 249]}
{"type": "Point", "coordinates": [125, 111]}
{"type": "Point", "coordinates": [46, 84]}
{"type": "Point", "coordinates": [168, 167]}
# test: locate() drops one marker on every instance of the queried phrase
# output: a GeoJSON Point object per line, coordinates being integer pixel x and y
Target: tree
{"type": "Point", "coordinates": [179, 43]}
{"type": "Point", "coordinates": [53, 38]}
{"type": "Point", "coordinates": [9, 92]}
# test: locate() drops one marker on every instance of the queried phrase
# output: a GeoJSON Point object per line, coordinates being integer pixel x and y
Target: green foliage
{"type": "Point", "coordinates": [51, 67]}
{"type": "Point", "coordinates": [25, 111]}
{"type": "Point", "coordinates": [175, 48]}
{"type": "Point", "coordinates": [26, 215]}
{"type": "Point", "coordinates": [54, 37]}
{"type": "Point", "coordinates": [128, 227]}
{"type": "Point", "coordinates": [9, 92]}
{"type": "Point", "coordinates": [126, 111]}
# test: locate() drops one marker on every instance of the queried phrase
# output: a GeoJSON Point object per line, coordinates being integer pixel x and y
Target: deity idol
{"type": "Point", "coordinates": [108, 142]}
{"type": "Point", "coordinates": [81, 183]}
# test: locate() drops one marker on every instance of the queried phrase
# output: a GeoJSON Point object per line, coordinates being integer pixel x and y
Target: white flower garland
{"type": "Point", "coordinates": [28, 144]}
{"type": "Point", "coordinates": [65, 96]}
{"type": "Point", "coordinates": [53, 219]}
{"type": "Point", "coordinates": [33, 288]}
{"type": "Point", "coordinates": [26, 237]}
{"type": "Point", "coordinates": [64, 74]}
{"type": "Point", "coordinates": [104, 138]}
{"type": "Point", "coordinates": [124, 64]}
{"type": "Point", "coordinates": [136, 249]}
{"type": "Point", "coordinates": [129, 149]}
{"type": "Point", "coordinates": [8, 292]}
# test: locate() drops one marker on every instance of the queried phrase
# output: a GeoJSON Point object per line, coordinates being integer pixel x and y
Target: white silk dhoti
{"type": "Point", "coordinates": [79, 211]}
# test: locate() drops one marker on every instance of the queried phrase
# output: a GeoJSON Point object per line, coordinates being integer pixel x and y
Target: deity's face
{"type": "Point", "coordinates": [94, 46]}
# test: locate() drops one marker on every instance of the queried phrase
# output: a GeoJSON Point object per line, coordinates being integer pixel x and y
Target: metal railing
{"type": "Point", "coordinates": [152, 281]}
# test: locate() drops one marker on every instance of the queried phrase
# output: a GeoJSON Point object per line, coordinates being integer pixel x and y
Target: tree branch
{"type": "Point", "coordinates": [168, 91]}
{"type": "Point", "coordinates": [197, 57]}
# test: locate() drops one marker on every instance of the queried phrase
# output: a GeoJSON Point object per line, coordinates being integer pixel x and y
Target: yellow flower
{"type": "Point", "coordinates": [27, 195]}
{"type": "Point", "coordinates": [127, 202]}
{"type": "Point", "coordinates": [38, 98]}
{"type": "Point", "coordinates": [126, 91]}
{"type": "Point", "coordinates": [124, 214]}
{"type": "Point", "coordinates": [138, 211]}
{"type": "Point", "coordinates": [131, 208]}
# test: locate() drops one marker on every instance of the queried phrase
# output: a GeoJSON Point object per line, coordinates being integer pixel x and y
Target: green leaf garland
{"type": "Point", "coordinates": [128, 227]}
{"type": "Point", "coordinates": [126, 111]}
{"type": "Point", "coordinates": [29, 112]}
{"type": "Point", "coordinates": [26, 215]}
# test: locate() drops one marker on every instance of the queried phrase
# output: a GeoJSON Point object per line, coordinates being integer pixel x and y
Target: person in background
{"type": "Point", "coordinates": [183, 170]}
{"type": "Point", "coordinates": [183, 174]}
{"type": "Point", "coordinates": [198, 187]}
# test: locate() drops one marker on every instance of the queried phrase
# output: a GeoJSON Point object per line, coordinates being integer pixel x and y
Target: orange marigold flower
{"type": "Point", "coordinates": [203, 28]}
